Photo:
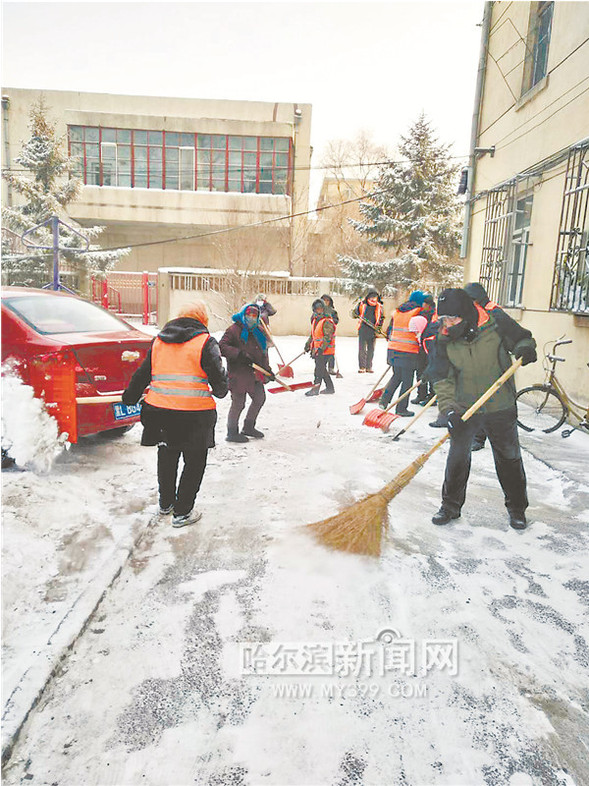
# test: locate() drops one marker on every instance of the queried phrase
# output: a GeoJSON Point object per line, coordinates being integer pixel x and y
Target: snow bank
{"type": "Point", "coordinates": [29, 432]}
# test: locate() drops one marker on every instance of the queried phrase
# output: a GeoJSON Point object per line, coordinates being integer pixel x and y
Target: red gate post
{"type": "Point", "coordinates": [145, 289]}
{"type": "Point", "coordinates": [104, 299]}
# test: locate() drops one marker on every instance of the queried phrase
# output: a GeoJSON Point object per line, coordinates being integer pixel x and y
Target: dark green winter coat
{"type": "Point", "coordinates": [467, 366]}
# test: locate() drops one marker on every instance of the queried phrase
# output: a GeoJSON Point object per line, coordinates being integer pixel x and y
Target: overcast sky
{"type": "Point", "coordinates": [363, 66]}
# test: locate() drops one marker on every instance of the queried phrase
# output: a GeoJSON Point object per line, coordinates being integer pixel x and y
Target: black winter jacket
{"type": "Point", "coordinates": [180, 429]}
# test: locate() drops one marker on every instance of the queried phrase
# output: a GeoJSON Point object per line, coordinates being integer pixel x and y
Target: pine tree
{"type": "Point", "coordinates": [46, 187]}
{"type": "Point", "coordinates": [414, 213]}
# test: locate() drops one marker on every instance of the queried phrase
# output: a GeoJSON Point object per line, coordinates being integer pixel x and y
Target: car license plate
{"type": "Point", "coordinates": [123, 411]}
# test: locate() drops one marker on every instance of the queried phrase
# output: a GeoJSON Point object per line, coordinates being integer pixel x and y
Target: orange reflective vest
{"type": "Point", "coordinates": [402, 339]}
{"type": "Point", "coordinates": [377, 314]}
{"type": "Point", "coordinates": [317, 336]}
{"type": "Point", "coordinates": [483, 312]}
{"type": "Point", "coordinates": [178, 380]}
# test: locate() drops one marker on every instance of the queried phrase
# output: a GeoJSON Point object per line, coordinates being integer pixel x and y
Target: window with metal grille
{"type": "Point", "coordinates": [570, 286]}
{"type": "Point", "coordinates": [537, 44]}
{"type": "Point", "coordinates": [498, 215]}
{"type": "Point", "coordinates": [131, 158]}
{"type": "Point", "coordinates": [506, 239]}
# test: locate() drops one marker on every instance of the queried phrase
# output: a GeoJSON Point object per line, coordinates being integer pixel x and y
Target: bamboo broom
{"type": "Point", "coordinates": [359, 528]}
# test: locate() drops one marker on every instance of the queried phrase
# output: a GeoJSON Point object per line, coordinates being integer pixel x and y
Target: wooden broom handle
{"type": "Point", "coordinates": [478, 403]}
{"type": "Point", "coordinates": [376, 329]}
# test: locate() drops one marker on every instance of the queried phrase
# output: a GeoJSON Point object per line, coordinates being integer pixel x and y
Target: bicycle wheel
{"type": "Point", "coordinates": [540, 408]}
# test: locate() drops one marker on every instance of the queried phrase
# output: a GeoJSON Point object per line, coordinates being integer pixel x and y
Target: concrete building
{"type": "Point", "coordinates": [527, 218]}
{"type": "Point", "coordinates": [157, 169]}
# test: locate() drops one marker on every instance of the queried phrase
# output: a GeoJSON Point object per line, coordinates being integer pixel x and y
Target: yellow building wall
{"type": "Point", "coordinates": [526, 130]}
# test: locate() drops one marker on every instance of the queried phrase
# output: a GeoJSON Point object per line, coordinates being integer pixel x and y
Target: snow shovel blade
{"type": "Point", "coordinates": [376, 395]}
{"type": "Point", "coordinates": [296, 386]}
{"type": "Point", "coordinates": [356, 409]}
{"type": "Point", "coordinates": [373, 418]}
{"type": "Point", "coordinates": [386, 420]}
{"type": "Point", "coordinates": [285, 371]}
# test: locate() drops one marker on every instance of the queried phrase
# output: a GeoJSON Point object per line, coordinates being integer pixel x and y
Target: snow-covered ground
{"type": "Point", "coordinates": [479, 675]}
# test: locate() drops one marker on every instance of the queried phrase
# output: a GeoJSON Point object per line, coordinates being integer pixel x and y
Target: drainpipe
{"type": "Point", "coordinates": [5, 107]}
{"type": "Point", "coordinates": [474, 130]}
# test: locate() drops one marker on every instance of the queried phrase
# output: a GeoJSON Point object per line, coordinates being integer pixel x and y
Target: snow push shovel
{"type": "Point", "coordinates": [413, 420]}
{"type": "Point", "coordinates": [269, 374]}
{"type": "Point", "coordinates": [284, 370]}
{"type": "Point", "coordinates": [295, 386]}
{"type": "Point", "coordinates": [355, 409]}
{"type": "Point", "coordinates": [378, 417]}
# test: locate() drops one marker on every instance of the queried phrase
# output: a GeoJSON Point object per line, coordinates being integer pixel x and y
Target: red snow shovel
{"type": "Point", "coordinates": [295, 386]}
{"type": "Point", "coordinates": [284, 370]}
{"type": "Point", "coordinates": [412, 421]}
{"type": "Point", "coordinates": [376, 417]}
{"type": "Point", "coordinates": [355, 409]}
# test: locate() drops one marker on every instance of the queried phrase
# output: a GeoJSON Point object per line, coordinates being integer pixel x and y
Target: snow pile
{"type": "Point", "coordinates": [29, 433]}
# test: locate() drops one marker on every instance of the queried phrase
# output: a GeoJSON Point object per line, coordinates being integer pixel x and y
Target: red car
{"type": "Point", "coordinates": [70, 350]}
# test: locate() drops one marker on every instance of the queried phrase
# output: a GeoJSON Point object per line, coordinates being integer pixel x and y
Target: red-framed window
{"type": "Point", "coordinates": [178, 161]}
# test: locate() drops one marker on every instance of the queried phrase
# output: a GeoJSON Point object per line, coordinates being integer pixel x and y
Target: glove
{"type": "Point", "coordinates": [308, 346]}
{"type": "Point", "coordinates": [526, 353]}
{"type": "Point", "coordinates": [272, 377]}
{"type": "Point", "coordinates": [455, 422]}
{"type": "Point", "coordinates": [245, 358]}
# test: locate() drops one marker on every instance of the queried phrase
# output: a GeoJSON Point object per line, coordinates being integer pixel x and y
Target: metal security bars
{"type": "Point", "coordinates": [570, 286]}
{"type": "Point", "coordinates": [498, 220]}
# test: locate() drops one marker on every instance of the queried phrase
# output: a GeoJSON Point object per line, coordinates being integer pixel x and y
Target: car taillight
{"type": "Point", "coordinates": [53, 379]}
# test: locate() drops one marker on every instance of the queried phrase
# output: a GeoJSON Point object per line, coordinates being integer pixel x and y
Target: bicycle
{"type": "Point", "coordinates": [545, 407]}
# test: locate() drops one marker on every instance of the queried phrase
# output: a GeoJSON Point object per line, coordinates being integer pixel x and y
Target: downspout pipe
{"type": "Point", "coordinates": [474, 129]}
{"type": "Point", "coordinates": [5, 108]}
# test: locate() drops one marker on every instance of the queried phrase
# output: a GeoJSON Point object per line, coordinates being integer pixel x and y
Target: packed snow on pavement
{"type": "Point", "coordinates": [241, 651]}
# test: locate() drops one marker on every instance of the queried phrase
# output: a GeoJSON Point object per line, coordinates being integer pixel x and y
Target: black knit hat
{"type": "Point", "coordinates": [457, 303]}
{"type": "Point", "coordinates": [477, 292]}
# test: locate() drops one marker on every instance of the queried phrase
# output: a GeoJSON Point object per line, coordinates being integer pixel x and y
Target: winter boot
{"type": "Point", "coordinates": [314, 391]}
{"type": "Point", "coordinates": [233, 435]}
{"type": "Point", "coordinates": [250, 431]}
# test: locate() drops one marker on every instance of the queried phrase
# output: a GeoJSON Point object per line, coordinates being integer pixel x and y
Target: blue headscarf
{"type": "Point", "coordinates": [256, 331]}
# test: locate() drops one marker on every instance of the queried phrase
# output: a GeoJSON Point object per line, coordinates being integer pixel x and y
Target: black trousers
{"type": "Point", "coordinates": [321, 372]}
{"type": "Point", "coordinates": [366, 339]}
{"type": "Point", "coordinates": [501, 429]}
{"type": "Point", "coordinates": [181, 497]}
{"type": "Point", "coordinates": [403, 370]}
{"type": "Point", "coordinates": [238, 405]}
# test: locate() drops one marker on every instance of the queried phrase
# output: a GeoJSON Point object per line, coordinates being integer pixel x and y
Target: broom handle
{"type": "Point", "coordinates": [376, 329]}
{"type": "Point", "coordinates": [477, 405]}
{"type": "Point", "coordinates": [266, 330]}
{"type": "Point", "coordinates": [386, 371]}
{"type": "Point", "coordinates": [429, 404]}
{"type": "Point", "coordinates": [268, 374]}
{"type": "Point", "coordinates": [405, 394]}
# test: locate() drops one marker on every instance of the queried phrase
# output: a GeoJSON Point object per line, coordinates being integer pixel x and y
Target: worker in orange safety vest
{"type": "Point", "coordinates": [407, 325]}
{"type": "Point", "coordinates": [321, 345]}
{"type": "Point", "coordinates": [184, 371]}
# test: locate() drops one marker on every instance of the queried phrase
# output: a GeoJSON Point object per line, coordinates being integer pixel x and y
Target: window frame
{"type": "Point", "coordinates": [216, 174]}
{"type": "Point", "coordinates": [537, 35]}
